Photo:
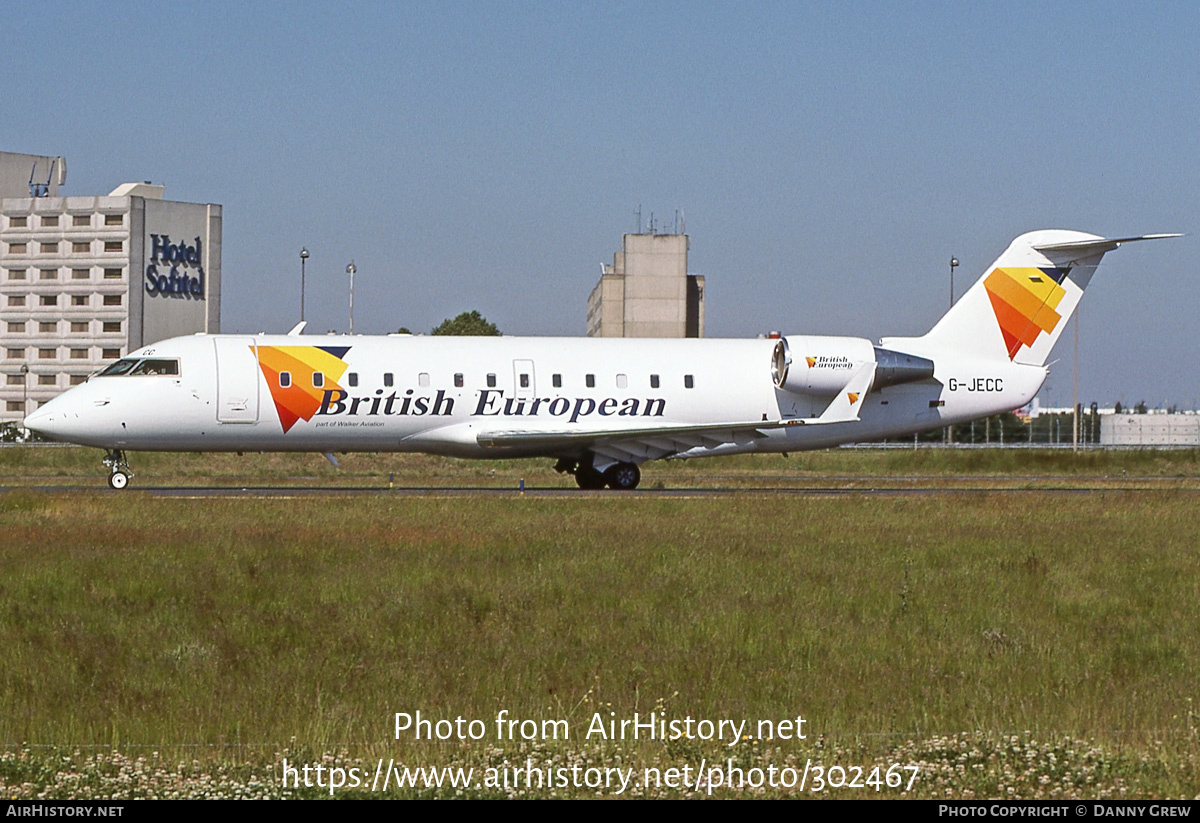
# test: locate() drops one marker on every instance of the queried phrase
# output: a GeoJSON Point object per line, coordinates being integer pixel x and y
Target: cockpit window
{"type": "Point", "coordinates": [147, 367]}
{"type": "Point", "coordinates": [131, 367]}
{"type": "Point", "coordinates": [120, 367]}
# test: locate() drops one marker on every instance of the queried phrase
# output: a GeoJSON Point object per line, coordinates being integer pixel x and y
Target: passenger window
{"type": "Point", "coordinates": [590, 380]}
{"type": "Point", "coordinates": [458, 380]}
{"type": "Point", "coordinates": [524, 381]}
{"type": "Point", "coordinates": [687, 381]}
{"type": "Point", "coordinates": [285, 379]}
{"type": "Point", "coordinates": [423, 379]}
{"type": "Point", "coordinates": [491, 381]}
{"type": "Point", "coordinates": [353, 379]}
{"type": "Point", "coordinates": [387, 379]}
{"type": "Point", "coordinates": [654, 381]}
{"type": "Point", "coordinates": [557, 381]}
{"type": "Point", "coordinates": [622, 381]}
{"type": "Point", "coordinates": [318, 380]}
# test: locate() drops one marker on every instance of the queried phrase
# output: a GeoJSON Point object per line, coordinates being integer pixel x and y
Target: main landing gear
{"type": "Point", "coordinates": [619, 476]}
{"type": "Point", "coordinates": [119, 471]}
{"type": "Point", "coordinates": [623, 476]}
{"type": "Point", "coordinates": [589, 479]}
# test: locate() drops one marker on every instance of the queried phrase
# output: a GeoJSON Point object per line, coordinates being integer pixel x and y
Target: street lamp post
{"type": "Point", "coordinates": [953, 265]}
{"type": "Point", "coordinates": [1075, 386]}
{"type": "Point", "coordinates": [303, 260]}
{"type": "Point", "coordinates": [350, 270]}
{"type": "Point", "coordinates": [25, 394]}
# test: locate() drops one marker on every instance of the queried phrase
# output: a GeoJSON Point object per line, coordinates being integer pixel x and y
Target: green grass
{"type": "Point", "coordinates": [927, 628]}
{"type": "Point", "coordinates": [848, 467]}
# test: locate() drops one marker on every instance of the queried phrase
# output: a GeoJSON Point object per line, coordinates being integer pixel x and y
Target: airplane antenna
{"type": "Point", "coordinates": [639, 217]}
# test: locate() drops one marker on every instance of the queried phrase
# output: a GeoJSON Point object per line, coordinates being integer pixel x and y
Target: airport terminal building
{"type": "Point", "coordinates": [85, 280]}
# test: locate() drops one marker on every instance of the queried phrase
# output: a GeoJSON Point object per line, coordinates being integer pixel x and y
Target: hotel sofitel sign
{"type": "Point", "coordinates": [175, 283]}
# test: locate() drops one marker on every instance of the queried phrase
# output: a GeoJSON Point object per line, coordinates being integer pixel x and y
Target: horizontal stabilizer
{"type": "Point", "coordinates": [1099, 245]}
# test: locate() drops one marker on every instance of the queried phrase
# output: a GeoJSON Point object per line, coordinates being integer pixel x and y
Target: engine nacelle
{"type": "Point", "coordinates": [894, 367]}
{"type": "Point", "coordinates": [822, 366]}
{"type": "Point", "coordinates": [818, 366]}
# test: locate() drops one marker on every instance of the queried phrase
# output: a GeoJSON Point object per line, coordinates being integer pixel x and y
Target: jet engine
{"type": "Point", "coordinates": [822, 366]}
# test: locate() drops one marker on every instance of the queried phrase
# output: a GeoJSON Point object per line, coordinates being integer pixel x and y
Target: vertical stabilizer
{"type": "Point", "coordinates": [1021, 305]}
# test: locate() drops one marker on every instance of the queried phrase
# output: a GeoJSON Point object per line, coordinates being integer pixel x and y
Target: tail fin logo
{"type": "Point", "coordinates": [1025, 301]}
{"type": "Point", "coordinates": [301, 397]}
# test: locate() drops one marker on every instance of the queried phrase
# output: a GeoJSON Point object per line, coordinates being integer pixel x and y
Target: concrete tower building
{"type": "Point", "coordinates": [647, 291]}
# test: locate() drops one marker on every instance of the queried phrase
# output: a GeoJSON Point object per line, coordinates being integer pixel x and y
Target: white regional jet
{"type": "Point", "coordinates": [600, 407]}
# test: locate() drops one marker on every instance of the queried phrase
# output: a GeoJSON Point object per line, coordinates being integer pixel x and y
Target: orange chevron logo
{"type": "Point", "coordinates": [811, 361]}
{"type": "Point", "coordinates": [853, 395]}
{"type": "Point", "coordinates": [297, 395]}
{"type": "Point", "coordinates": [1025, 301]}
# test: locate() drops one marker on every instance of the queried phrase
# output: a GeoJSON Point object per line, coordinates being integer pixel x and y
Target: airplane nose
{"type": "Point", "coordinates": [58, 419]}
{"type": "Point", "coordinates": [42, 421]}
{"type": "Point", "coordinates": [77, 416]}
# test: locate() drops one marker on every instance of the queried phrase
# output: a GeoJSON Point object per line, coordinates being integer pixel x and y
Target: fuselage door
{"type": "Point", "coordinates": [237, 379]}
{"type": "Point", "coordinates": [523, 384]}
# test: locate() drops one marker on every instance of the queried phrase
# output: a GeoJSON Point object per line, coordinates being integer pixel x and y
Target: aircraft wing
{"type": "Point", "coordinates": [643, 443]}
{"type": "Point", "coordinates": [638, 444]}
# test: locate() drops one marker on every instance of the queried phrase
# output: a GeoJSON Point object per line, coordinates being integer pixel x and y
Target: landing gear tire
{"type": "Point", "coordinates": [118, 467]}
{"type": "Point", "coordinates": [589, 479]}
{"type": "Point", "coordinates": [623, 476]}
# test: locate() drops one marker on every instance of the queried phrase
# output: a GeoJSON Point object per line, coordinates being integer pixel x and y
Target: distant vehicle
{"type": "Point", "coordinates": [600, 407]}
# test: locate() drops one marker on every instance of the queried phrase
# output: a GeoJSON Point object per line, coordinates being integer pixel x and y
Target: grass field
{"type": "Point", "coordinates": [842, 467]}
{"type": "Point", "coordinates": [1009, 644]}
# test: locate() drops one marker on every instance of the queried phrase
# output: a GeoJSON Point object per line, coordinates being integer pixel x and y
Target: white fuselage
{"type": "Point", "coordinates": [440, 394]}
{"type": "Point", "coordinates": [601, 406]}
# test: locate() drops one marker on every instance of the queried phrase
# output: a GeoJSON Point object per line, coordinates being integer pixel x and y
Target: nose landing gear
{"type": "Point", "coordinates": [119, 471]}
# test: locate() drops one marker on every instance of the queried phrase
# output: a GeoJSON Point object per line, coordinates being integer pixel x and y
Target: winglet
{"type": "Point", "coordinates": [845, 405]}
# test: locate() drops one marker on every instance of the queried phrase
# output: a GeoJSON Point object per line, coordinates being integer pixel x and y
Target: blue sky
{"type": "Point", "coordinates": [829, 158]}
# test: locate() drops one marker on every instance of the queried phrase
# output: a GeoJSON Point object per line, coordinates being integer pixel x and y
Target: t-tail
{"type": "Point", "coordinates": [1021, 305]}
